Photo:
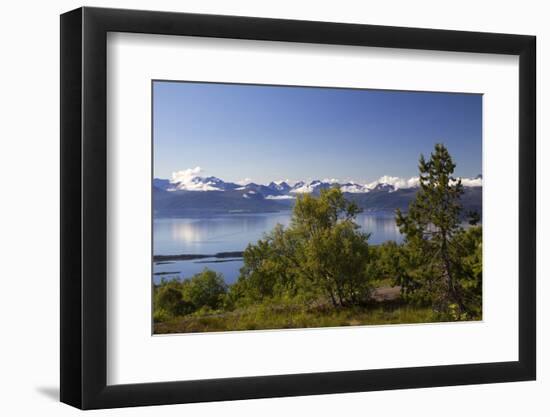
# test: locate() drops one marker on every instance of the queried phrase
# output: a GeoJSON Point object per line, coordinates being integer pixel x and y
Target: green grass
{"type": "Point", "coordinates": [290, 316]}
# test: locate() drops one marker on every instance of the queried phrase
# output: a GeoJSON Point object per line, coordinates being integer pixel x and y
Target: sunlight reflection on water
{"type": "Point", "coordinates": [233, 233]}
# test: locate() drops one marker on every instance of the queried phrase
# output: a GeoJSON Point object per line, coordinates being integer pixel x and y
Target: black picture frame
{"type": "Point", "coordinates": [84, 207]}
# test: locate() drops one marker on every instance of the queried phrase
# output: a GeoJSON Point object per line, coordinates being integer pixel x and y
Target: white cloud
{"type": "Point", "coordinates": [354, 188]}
{"type": "Point", "coordinates": [403, 183]}
{"type": "Point", "coordinates": [189, 180]}
{"type": "Point", "coordinates": [472, 182]}
{"type": "Point", "coordinates": [396, 182]}
{"type": "Point", "coordinates": [304, 189]}
{"type": "Point", "coordinates": [185, 175]}
{"type": "Point", "coordinates": [280, 197]}
{"type": "Point", "coordinates": [244, 181]}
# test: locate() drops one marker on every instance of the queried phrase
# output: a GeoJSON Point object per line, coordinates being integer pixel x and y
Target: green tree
{"type": "Point", "coordinates": [168, 300]}
{"type": "Point", "coordinates": [468, 246]}
{"type": "Point", "coordinates": [173, 298]}
{"type": "Point", "coordinates": [389, 262]}
{"type": "Point", "coordinates": [205, 290]}
{"type": "Point", "coordinates": [433, 252]}
{"type": "Point", "coordinates": [336, 260]}
{"type": "Point", "coordinates": [269, 268]}
{"type": "Point", "coordinates": [321, 254]}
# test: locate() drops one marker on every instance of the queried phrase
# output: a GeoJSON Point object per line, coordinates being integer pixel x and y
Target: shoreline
{"type": "Point", "coordinates": [190, 257]}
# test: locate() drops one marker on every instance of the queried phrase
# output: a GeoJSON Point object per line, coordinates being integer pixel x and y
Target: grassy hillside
{"type": "Point", "coordinates": [289, 315]}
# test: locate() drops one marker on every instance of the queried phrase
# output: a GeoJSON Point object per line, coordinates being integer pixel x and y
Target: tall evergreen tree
{"type": "Point", "coordinates": [430, 226]}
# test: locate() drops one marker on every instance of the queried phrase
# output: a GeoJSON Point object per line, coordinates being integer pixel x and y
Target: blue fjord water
{"type": "Point", "coordinates": [229, 233]}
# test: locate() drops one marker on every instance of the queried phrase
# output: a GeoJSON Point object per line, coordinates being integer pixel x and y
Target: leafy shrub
{"type": "Point", "coordinates": [169, 301]}
{"type": "Point", "coordinates": [205, 289]}
{"type": "Point", "coordinates": [160, 315]}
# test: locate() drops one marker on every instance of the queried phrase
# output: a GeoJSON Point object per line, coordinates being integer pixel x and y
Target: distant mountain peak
{"type": "Point", "coordinates": [383, 187]}
{"type": "Point", "coordinates": [302, 187]}
{"type": "Point", "coordinates": [189, 192]}
{"type": "Point", "coordinates": [281, 186]}
{"type": "Point", "coordinates": [192, 180]}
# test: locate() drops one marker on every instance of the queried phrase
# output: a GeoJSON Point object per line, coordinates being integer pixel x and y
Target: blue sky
{"type": "Point", "coordinates": [266, 133]}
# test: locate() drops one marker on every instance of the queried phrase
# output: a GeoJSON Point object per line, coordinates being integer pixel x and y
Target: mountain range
{"type": "Point", "coordinates": [188, 193]}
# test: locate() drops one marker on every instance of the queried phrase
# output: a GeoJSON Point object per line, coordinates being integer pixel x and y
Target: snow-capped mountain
{"type": "Point", "coordinates": [281, 186]}
{"type": "Point", "coordinates": [188, 192]}
{"type": "Point", "coordinates": [161, 184]}
{"type": "Point", "coordinates": [190, 180]}
{"type": "Point", "coordinates": [264, 190]}
{"type": "Point", "coordinates": [310, 187]}
{"type": "Point", "coordinates": [202, 184]}
{"type": "Point", "coordinates": [352, 187]}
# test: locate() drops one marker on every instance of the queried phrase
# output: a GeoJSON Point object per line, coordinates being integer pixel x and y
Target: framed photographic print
{"type": "Point", "coordinates": [257, 208]}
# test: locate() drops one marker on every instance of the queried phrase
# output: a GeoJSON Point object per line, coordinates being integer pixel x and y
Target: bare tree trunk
{"type": "Point", "coordinates": [452, 292]}
{"type": "Point", "coordinates": [332, 297]}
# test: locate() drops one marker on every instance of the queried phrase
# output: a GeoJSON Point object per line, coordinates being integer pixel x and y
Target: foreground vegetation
{"type": "Point", "coordinates": [321, 271]}
{"type": "Point", "coordinates": [290, 316]}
